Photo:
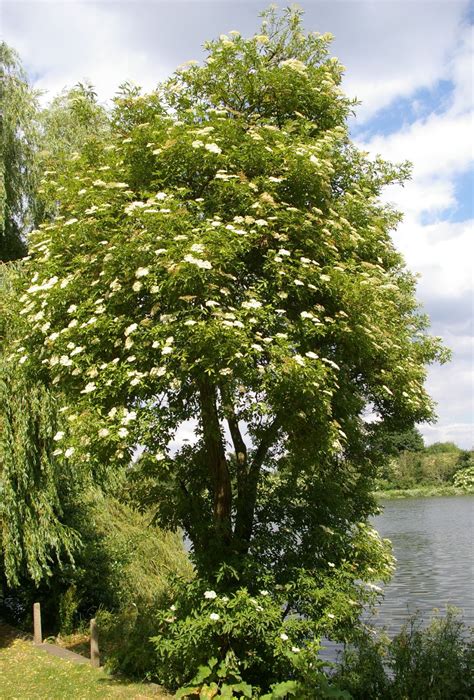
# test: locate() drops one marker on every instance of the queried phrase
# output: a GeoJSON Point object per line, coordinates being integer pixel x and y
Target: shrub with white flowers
{"type": "Point", "coordinates": [222, 261]}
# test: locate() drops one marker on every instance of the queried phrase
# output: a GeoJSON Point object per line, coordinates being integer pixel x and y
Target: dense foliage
{"type": "Point", "coordinates": [34, 482]}
{"type": "Point", "coordinates": [250, 626]}
{"type": "Point", "coordinates": [419, 663]}
{"type": "Point", "coordinates": [120, 564]}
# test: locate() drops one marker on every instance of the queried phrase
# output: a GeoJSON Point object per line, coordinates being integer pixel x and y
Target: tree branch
{"type": "Point", "coordinates": [240, 447]}
{"type": "Point", "coordinates": [266, 442]}
{"type": "Point", "coordinates": [247, 496]}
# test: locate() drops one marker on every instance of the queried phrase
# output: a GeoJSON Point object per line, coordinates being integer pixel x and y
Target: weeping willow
{"type": "Point", "coordinates": [34, 483]}
{"type": "Point", "coordinates": [33, 537]}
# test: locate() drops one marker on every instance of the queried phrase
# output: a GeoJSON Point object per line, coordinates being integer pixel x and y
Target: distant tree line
{"type": "Point", "coordinates": [413, 464]}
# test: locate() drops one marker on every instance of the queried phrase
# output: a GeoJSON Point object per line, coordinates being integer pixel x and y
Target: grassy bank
{"type": "Point", "coordinates": [31, 674]}
{"type": "Point", "coordinates": [420, 492]}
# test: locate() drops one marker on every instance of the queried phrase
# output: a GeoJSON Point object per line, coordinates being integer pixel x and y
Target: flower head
{"type": "Point", "coordinates": [213, 148]}
{"type": "Point", "coordinates": [88, 388]}
{"type": "Point", "coordinates": [142, 272]}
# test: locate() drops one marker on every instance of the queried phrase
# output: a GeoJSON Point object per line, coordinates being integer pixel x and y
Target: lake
{"type": "Point", "coordinates": [433, 542]}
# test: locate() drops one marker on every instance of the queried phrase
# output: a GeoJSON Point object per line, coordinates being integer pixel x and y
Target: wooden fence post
{"type": "Point", "coordinates": [95, 658]}
{"type": "Point", "coordinates": [37, 633]}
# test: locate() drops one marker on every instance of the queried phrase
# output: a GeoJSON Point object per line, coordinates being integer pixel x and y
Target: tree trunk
{"type": "Point", "coordinates": [217, 461]}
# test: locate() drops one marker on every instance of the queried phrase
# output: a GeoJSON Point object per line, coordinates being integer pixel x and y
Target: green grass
{"type": "Point", "coordinates": [420, 492]}
{"type": "Point", "coordinates": [28, 673]}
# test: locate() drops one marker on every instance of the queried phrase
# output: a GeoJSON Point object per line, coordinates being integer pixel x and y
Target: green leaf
{"type": "Point", "coordinates": [281, 690]}
{"type": "Point", "coordinates": [244, 688]}
{"type": "Point", "coordinates": [185, 691]}
{"type": "Point", "coordinates": [203, 672]}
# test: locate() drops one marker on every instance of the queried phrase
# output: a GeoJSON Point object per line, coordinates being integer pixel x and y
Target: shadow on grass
{"type": "Point", "coordinates": [9, 634]}
{"type": "Point", "coordinates": [147, 689]}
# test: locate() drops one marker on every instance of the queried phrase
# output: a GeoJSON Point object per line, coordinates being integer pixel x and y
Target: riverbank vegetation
{"type": "Point", "coordinates": [210, 303]}
{"type": "Point", "coordinates": [415, 470]}
{"type": "Point", "coordinates": [426, 663]}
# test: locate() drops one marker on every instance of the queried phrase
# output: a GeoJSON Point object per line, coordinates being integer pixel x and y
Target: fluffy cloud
{"type": "Point", "coordinates": [390, 48]}
{"type": "Point", "coordinates": [62, 43]}
{"type": "Point", "coordinates": [439, 248]}
{"type": "Point", "coordinates": [393, 48]}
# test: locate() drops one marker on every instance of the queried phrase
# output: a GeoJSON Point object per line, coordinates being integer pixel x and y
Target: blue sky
{"type": "Point", "coordinates": [409, 62]}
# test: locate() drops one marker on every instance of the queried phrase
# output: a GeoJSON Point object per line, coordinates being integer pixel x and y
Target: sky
{"type": "Point", "coordinates": [409, 62]}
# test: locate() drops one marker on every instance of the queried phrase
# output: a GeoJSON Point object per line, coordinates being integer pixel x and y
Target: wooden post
{"type": "Point", "coordinates": [95, 658]}
{"type": "Point", "coordinates": [37, 633]}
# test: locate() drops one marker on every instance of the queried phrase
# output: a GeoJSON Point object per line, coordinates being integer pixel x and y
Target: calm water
{"type": "Point", "coordinates": [433, 541]}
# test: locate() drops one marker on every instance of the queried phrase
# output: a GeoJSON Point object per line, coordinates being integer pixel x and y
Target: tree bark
{"type": "Point", "coordinates": [215, 454]}
{"type": "Point", "coordinates": [241, 459]}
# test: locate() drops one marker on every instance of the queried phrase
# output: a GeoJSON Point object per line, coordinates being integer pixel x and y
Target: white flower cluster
{"type": "Point", "coordinates": [130, 208]}
{"type": "Point", "coordinates": [295, 65]}
{"type": "Point", "coordinates": [252, 304]}
{"type": "Point", "coordinates": [142, 272]}
{"type": "Point", "coordinates": [211, 147]}
{"type": "Point", "coordinates": [128, 416]}
{"type": "Point", "coordinates": [330, 363]}
{"type": "Point", "coordinates": [202, 264]}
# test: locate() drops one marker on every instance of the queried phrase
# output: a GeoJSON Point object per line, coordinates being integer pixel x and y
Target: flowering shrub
{"type": "Point", "coordinates": [220, 262]}
{"type": "Point", "coordinates": [260, 634]}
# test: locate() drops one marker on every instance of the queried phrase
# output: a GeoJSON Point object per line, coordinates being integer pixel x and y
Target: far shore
{"type": "Point", "coordinates": [421, 492]}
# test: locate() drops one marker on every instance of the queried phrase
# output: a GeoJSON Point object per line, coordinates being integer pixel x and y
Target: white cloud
{"type": "Point", "coordinates": [437, 146]}
{"type": "Point", "coordinates": [462, 72]}
{"type": "Point", "coordinates": [451, 387]}
{"type": "Point", "coordinates": [442, 253]}
{"type": "Point", "coordinates": [62, 43]}
{"type": "Point", "coordinates": [459, 433]}
{"type": "Point", "coordinates": [392, 49]}
{"type": "Point", "coordinates": [440, 146]}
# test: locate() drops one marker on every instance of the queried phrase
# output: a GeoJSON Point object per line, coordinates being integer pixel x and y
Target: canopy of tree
{"type": "Point", "coordinates": [221, 255]}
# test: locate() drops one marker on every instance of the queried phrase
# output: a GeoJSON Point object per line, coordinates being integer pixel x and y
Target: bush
{"type": "Point", "coordinates": [68, 606]}
{"type": "Point", "coordinates": [241, 629]}
{"type": "Point", "coordinates": [125, 639]}
{"type": "Point", "coordinates": [127, 565]}
{"type": "Point", "coordinates": [125, 560]}
{"type": "Point", "coordinates": [255, 632]}
{"type": "Point", "coordinates": [417, 664]}
{"type": "Point", "coordinates": [443, 448]}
